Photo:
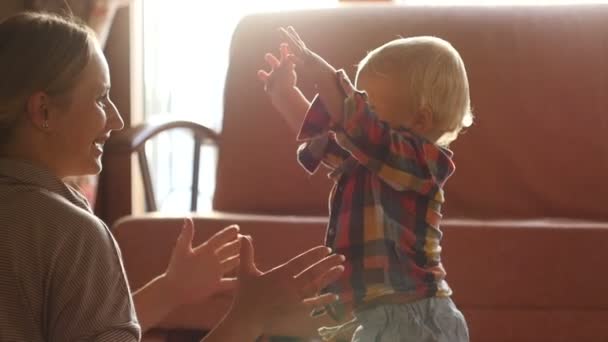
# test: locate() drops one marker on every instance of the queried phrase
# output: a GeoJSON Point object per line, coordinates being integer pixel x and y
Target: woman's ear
{"type": "Point", "coordinates": [38, 110]}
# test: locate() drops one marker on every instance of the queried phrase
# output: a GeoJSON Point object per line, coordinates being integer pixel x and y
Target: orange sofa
{"type": "Point", "coordinates": [526, 230]}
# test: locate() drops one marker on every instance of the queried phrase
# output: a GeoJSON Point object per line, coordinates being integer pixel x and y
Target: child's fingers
{"type": "Point", "coordinates": [284, 48]}
{"type": "Point", "coordinates": [272, 60]}
{"type": "Point", "coordinates": [292, 30]}
{"type": "Point", "coordinates": [295, 34]}
{"type": "Point", "coordinates": [263, 75]}
{"type": "Point", "coordinates": [285, 56]}
{"type": "Point", "coordinates": [292, 41]}
{"type": "Point", "coordinates": [267, 78]}
{"type": "Point", "coordinates": [297, 39]}
{"type": "Point", "coordinates": [293, 59]}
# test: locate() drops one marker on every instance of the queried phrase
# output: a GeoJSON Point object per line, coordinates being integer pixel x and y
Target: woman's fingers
{"type": "Point", "coordinates": [303, 261]}
{"type": "Point", "coordinates": [247, 267]}
{"type": "Point", "coordinates": [309, 292]}
{"type": "Point", "coordinates": [184, 240]}
{"type": "Point", "coordinates": [332, 275]}
{"type": "Point", "coordinates": [227, 284]}
{"type": "Point", "coordinates": [311, 288]}
{"type": "Point", "coordinates": [319, 301]}
{"type": "Point", "coordinates": [230, 264]}
{"type": "Point", "coordinates": [319, 275]}
{"type": "Point", "coordinates": [319, 268]}
{"type": "Point", "coordinates": [220, 238]}
{"type": "Point", "coordinates": [230, 249]}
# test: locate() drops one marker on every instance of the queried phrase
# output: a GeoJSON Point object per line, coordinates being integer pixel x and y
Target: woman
{"type": "Point", "coordinates": [61, 276]}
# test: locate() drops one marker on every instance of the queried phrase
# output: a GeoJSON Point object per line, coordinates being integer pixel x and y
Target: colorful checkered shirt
{"type": "Point", "coordinates": [385, 206]}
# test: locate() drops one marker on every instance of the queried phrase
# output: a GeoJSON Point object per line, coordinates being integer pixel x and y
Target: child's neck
{"type": "Point", "coordinates": [431, 135]}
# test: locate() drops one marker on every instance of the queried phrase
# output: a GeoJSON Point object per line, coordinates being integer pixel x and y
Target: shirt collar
{"type": "Point", "coordinates": [27, 173]}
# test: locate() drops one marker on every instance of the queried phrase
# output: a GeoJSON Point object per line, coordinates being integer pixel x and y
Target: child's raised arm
{"type": "Point", "coordinates": [280, 85]}
{"type": "Point", "coordinates": [319, 71]}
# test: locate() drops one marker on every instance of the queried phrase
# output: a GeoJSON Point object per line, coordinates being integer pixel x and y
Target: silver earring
{"type": "Point", "coordinates": [45, 124]}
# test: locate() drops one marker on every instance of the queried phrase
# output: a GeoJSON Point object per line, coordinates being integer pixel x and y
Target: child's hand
{"type": "Point", "coordinates": [280, 85]}
{"type": "Point", "coordinates": [319, 71]}
{"type": "Point", "coordinates": [282, 78]}
{"type": "Point", "coordinates": [310, 63]}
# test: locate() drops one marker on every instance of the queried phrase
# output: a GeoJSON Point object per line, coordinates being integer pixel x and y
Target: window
{"type": "Point", "coordinates": [185, 52]}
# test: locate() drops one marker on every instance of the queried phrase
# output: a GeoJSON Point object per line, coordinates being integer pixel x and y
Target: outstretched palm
{"type": "Point", "coordinates": [282, 75]}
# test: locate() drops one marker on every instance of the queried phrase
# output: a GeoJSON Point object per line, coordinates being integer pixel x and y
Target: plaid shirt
{"type": "Point", "coordinates": [385, 206]}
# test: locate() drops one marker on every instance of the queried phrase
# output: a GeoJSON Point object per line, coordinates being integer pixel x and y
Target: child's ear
{"type": "Point", "coordinates": [424, 120]}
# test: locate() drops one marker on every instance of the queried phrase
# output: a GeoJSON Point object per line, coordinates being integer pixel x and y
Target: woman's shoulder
{"type": "Point", "coordinates": [55, 214]}
{"type": "Point", "coordinates": [58, 229]}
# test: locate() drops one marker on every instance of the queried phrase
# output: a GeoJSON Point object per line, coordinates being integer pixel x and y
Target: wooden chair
{"type": "Point", "coordinates": [133, 140]}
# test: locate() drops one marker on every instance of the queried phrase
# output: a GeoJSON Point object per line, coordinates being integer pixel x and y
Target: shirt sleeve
{"type": "Point", "coordinates": [89, 296]}
{"type": "Point", "coordinates": [400, 158]}
{"type": "Point", "coordinates": [319, 146]}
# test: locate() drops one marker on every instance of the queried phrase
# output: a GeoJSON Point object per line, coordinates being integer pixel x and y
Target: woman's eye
{"type": "Point", "coordinates": [102, 100]}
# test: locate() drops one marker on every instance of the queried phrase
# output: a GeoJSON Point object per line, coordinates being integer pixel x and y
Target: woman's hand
{"type": "Point", "coordinates": [287, 292]}
{"type": "Point", "coordinates": [192, 275]}
{"type": "Point", "coordinates": [196, 273]}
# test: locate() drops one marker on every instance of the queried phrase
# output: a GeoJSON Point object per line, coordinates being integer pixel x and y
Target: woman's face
{"type": "Point", "coordinates": [81, 129]}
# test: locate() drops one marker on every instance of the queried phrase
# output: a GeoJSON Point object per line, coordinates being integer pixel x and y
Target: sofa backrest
{"type": "Point", "coordinates": [539, 90]}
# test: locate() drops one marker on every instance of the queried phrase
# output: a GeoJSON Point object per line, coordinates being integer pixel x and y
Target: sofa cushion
{"type": "Point", "coordinates": [510, 278]}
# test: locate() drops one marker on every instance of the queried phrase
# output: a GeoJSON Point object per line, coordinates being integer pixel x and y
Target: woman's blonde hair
{"type": "Point", "coordinates": [428, 74]}
{"type": "Point", "coordinates": [39, 52]}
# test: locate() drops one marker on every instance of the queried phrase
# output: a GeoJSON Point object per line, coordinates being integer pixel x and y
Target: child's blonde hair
{"type": "Point", "coordinates": [430, 74]}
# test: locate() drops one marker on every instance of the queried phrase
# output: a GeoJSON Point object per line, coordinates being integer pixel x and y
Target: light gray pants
{"type": "Point", "coordinates": [427, 320]}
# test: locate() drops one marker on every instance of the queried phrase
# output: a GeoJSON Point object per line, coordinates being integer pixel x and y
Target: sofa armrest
{"type": "Point", "coordinates": [146, 243]}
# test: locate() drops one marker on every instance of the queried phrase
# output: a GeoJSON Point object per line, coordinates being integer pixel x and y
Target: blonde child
{"type": "Point", "coordinates": [387, 152]}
